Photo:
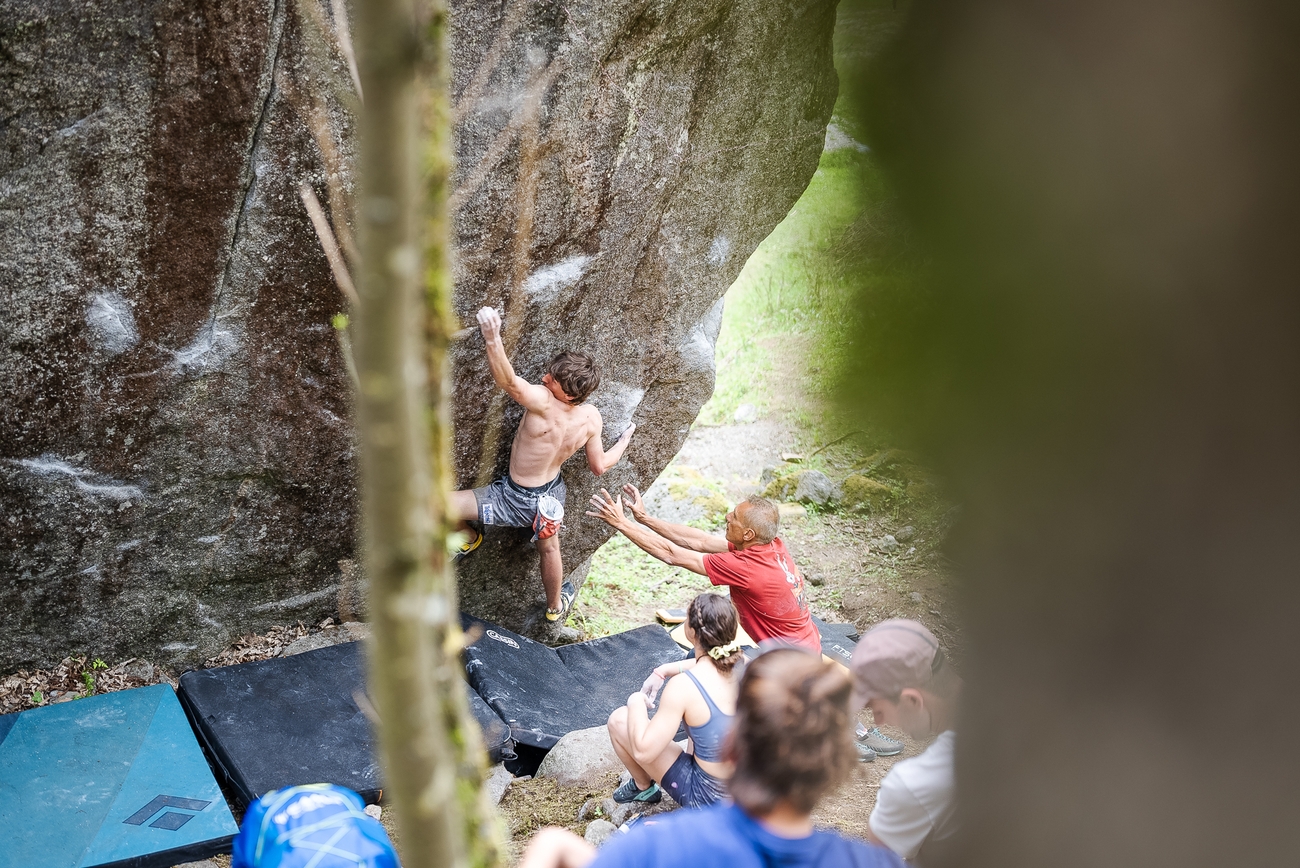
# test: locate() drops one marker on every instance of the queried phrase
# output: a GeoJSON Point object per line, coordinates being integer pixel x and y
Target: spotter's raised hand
{"type": "Point", "coordinates": [634, 501]}
{"type": "Point", "coordinates": [608, 509]}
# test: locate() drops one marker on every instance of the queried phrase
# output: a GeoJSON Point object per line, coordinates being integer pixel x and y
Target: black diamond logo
{"type": "Point", "coordinates": [171, 821]}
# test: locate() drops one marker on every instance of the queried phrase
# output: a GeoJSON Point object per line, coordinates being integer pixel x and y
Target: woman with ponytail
{"type": "Point", "coordinates": [791, 745]}
{"type": "Point", "coordinates": [701, 692]}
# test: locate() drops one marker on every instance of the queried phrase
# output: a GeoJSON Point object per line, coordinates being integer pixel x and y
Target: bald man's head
{"type": "Point", "coordinates": [761, 516]}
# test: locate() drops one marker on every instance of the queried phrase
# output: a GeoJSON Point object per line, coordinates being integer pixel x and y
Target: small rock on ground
{"type": "Point", "coordinates": [618, 814]}
{"type": "Point", "coordinates": [598, 832]}
{"type": "Point", "coordinates": [315, 641]}
{"type": "Point", "coordinates": [816, 487]}
{"type": "Point", "coordinates": [746, 413]}
{"type": "Point", "coordinates": [904, 534]}
{"type": "Point", "coordinates": [791, 511]}
{"type": "Point", "coordinates": [498, 781]}
{"type": "Point", "coordinates": [374, 811]}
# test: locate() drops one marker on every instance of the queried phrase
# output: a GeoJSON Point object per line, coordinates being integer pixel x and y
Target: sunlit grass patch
{"type": "Point", "coordinates": [625, 586]}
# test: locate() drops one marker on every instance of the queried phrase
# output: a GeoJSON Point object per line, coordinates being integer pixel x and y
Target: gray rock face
{"type": "Point", "coordinates": [175, 456]}
{"type": "Point", "coordinates": [660, 144]}
{"type": "Point", "coordinates": [582, 758]}
{"type": "Point", "coordinates": [176, 460]}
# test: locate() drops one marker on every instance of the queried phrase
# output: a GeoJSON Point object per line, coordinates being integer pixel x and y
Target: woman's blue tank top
{"type": "Point", "coordinates": [709, 737]}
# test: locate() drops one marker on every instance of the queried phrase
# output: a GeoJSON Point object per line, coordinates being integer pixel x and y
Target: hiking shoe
{"type": "Point", "coordinates": [865, 754]}
{"type": "Point", "coordinates": [630, 792]}
{"type": "Point", "coordinates": [567, 596]}
{"type": "Point", "coordinates": [469, 546]}
{"type": "Point", "coordinates": [880, 743]}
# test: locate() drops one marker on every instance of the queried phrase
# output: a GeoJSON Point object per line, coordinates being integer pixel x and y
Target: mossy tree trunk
{"type": "Point", "coordinates": [432, 752]}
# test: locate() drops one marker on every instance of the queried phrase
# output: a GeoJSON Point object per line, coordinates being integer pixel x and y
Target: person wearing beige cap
{"type": "Point", "coordinates": [900, 673]}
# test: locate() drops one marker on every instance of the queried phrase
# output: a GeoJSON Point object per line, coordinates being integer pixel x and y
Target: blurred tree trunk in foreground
{"type": "Point", "coordinates": [433, 758]}
{"type": "Point", "coordinates": [1104, 356]}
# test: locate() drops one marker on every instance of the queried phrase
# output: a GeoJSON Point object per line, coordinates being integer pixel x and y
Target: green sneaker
{"type": "Point", "coordinates": [630, 792]}
{"type": "Point", "coordinates": [882, 744]}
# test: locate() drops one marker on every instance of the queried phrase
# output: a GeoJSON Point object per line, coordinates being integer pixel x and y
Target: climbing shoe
{"type": "Point", "coordinates": [865, 754]}
{"type": "Point", "coordinates": [567, 595]}
{"type": "Point", "coordinates": [473, 543]}
{"type": "Point", "coordinates": [882, 744]}
{"type": "Point", "coordinates": [630, 792]}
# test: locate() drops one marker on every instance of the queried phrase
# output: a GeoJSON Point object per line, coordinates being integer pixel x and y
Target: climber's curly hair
{"type": "Point", "coordinates": [577, 374]}
{"type": "Point", "coordinates": [792, 740]}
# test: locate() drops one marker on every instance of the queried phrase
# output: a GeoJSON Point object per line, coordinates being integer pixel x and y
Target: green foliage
{"type": "Point", "coordinates": [38, 698]}
{"type": "Point", "coordinates": [804, 285]}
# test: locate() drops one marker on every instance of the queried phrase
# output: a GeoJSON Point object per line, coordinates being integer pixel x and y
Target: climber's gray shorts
{"type": "Point", "coordinates": [506, 503]}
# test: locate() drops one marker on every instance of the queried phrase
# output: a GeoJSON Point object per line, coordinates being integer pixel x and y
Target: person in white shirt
{"type": "Point", "coordinates": [900, 673]}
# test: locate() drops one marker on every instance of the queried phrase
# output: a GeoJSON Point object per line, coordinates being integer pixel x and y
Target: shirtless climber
{"type": "Point", "coordinates": [556, 424]}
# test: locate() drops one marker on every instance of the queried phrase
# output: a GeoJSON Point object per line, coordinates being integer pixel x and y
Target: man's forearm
{"type": "Point", "coordinates": [683, 535]}
{"type": "Point", "coordinates": [665, 550]}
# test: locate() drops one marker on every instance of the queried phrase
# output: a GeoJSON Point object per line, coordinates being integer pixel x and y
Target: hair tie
{"type": "Point", "coordinates": [717, 652]}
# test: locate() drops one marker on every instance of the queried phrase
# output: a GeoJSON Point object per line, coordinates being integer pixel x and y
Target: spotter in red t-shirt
{"type": "Point", "coordinates": [768, 592]}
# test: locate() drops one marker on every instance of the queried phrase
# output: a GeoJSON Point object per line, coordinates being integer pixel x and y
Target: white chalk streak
{"type": "Point", "coordinates": [297, 602]}
{"type": "Point", "coordinates": [719, 249]}
{"type": "Point", "coordinates": [81, 478]}
{"type": "Point", "coordinates": [112, 323]}
{"type": "Point", "coordinates": [554, 277]}
{"type": "Point", "coordinates": [208, 346]}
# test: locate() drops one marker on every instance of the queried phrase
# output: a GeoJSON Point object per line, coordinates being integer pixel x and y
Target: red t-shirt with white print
{"type": "Point", "coordinates": [768, 592]}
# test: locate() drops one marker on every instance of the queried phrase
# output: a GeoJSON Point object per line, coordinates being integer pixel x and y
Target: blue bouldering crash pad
{"type": "Point", "coordinates": [110, 780]}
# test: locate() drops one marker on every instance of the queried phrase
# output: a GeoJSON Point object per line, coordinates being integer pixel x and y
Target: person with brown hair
{"type": "Point", "coordinates": [704, 697]}
{"type": "Point", "coordinates": [556, 424]}
{"type": "Point", "coordinates": [766, 586]}
{"type": "Point", "coordinates": [791, 744]}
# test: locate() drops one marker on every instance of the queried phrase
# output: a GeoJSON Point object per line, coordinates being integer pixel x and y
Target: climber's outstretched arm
{"type": "Point", "coordinates": [532, 396]}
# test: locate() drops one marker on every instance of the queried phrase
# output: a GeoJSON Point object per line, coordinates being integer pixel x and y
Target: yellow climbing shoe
{"type": "Point", "coordinates": [473, 543]}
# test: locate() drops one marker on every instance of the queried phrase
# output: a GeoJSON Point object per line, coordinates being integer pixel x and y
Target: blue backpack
{"type": "Point", "coordinates": [318, 825]}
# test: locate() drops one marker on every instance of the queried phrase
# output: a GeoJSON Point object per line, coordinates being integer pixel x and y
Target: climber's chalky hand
{"type": "Point", "coordinates": [489, 322]}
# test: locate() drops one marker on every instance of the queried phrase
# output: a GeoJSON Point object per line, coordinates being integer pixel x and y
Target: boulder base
{"type": "Point", "coordinates": [583, 758]}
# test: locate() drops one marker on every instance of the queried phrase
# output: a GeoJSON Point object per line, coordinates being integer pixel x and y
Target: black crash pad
{"type": "Point", "coordinates": [838, 640]}
{"type": "Point", "coordinates": [544, 693]}
{"type": "Point", "coordinates": [295, 720]}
